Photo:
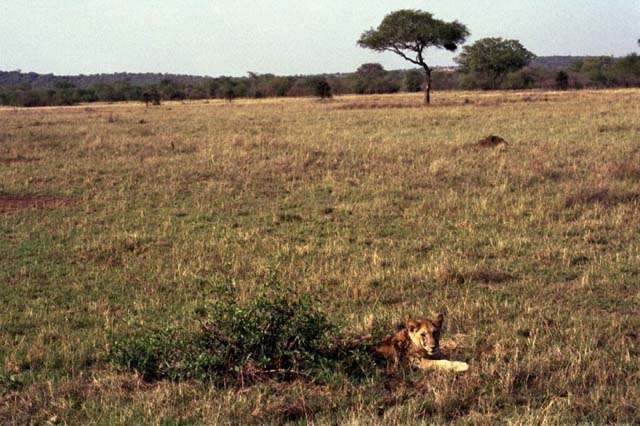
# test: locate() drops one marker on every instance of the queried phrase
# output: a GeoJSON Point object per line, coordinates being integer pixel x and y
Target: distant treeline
{"type": "Point", "coordinates": [20, 89]}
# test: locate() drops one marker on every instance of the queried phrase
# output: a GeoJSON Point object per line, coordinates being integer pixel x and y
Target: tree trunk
{"type": "Point", "coordinates": [427, 87]}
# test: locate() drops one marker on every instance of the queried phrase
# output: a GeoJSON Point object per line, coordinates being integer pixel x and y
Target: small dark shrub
{"type": "Point", "coordinates": [322, 89]}
{"type": "Point", "coordinates": [562, 80]}
{"type": "Point", "coordinates": [229, 93]}
{"type": "Point", "coordinates": [279, 334]}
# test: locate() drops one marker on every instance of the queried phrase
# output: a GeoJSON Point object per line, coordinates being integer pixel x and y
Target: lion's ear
{"type": "Point", "coordinates": [412, 325]}
{"type": "Point", "coordinates": [438, 320]}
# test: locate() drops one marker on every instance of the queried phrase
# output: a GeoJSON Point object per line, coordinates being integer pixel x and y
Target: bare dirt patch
{"type": "Point", "coordinates": [14, 203]}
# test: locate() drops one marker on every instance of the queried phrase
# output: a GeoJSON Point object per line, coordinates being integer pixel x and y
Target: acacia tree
{"type": "Point", "coordinates": [408, 33]}
{"type": "Point", "coordinates": [493, 58]}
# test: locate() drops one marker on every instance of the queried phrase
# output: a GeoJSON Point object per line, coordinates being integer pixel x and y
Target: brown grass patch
{"type": "Point", "coordinates": [615, 128]}
{"type": "Point", "coordinates": [491, 141]}
{"type": "Point", "coordinates": [295, 402]}
{"type": "Point", "coordinates": [497, 101]}
{"type": "Point", "coordinates": [377, 105]}
{"type": "Point", "coordinates": [18, 159]}
{"type": "Point", "coordinates": [601, 195]}
{"type": "Point", "coordinates": [285, 409]}
{"type": "Point", "coordinates": [447, 275]}
{"type": "Point", "coordinates": [14, 203]}
{"type": "Point", "coordinates": [488, 276]}
{"type": "Point", "coordinates": [625, 170]}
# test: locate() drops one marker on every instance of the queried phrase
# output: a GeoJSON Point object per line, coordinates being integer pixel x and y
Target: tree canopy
{"type": "Point", "coordinates": [493, 58]}
{"type": "Point", "coordinates": [408, 33]}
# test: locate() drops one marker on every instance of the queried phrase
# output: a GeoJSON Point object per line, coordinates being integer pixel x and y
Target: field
{"type": "Point", "coordinates": [120, 218]}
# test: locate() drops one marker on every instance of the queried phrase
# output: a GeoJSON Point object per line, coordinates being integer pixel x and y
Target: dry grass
{"type": "Point", "coordinates": [601, 195]}
{"type": "Point", "coordinates": [372, 204]}
{"type": "Point", "coordinates": [13, 203]}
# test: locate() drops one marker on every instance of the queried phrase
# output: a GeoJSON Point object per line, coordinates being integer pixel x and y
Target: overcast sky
{"type": "Point", "coordinates": [284, 37]}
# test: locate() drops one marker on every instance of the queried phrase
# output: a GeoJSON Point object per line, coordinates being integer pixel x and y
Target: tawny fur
{"type": "Point", "coordinates": [417, 346]}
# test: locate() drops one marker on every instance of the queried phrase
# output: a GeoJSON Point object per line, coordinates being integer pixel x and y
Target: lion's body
{"type": "Point", "coordinates": [417, 345]}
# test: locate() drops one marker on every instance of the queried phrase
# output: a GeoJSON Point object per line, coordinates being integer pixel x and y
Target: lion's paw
{"type": "Point", "coordinates": [459, 366]}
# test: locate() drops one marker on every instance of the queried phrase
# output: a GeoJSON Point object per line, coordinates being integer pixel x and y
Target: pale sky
{"type": "Point", "coordinates": [283, 37]}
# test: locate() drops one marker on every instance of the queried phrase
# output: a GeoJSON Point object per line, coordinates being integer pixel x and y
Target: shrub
{"type": "Point", "coordinates": [413, 81]}
{"type": "Point", "coordinates": [562, 80]}
{"type": "Point", "coordinates": [322, 89]}
{"type": "Point", "coordinates": [278, 334]}
{"type": "Point", "coordinates": [517, 80]}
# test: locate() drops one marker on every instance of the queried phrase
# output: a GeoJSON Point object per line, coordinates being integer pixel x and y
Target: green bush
{"type": "Point", "coordinates": [278, 334]}
{"type": "Point", "coordinates": [517, 80]}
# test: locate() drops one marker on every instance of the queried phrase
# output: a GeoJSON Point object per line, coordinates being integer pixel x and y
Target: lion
{"type": "Point", "coordinates": [417, 345]}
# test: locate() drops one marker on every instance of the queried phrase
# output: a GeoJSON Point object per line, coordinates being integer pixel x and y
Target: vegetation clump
{"type": "Point", "coordinates": [279, 334]}
{"type": "Point", "coordinates": [322, 89]}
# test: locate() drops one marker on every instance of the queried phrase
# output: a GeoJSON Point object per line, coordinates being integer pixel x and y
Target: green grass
{"type": "Point", "coordinates": [378, 208]}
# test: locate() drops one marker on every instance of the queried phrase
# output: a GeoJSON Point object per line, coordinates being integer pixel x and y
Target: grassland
{"type": "Point", "coordinates": [379, 208]}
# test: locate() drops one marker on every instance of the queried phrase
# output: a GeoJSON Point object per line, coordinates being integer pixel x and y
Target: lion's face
{"type": "Point", "coordinates": [425, 333]}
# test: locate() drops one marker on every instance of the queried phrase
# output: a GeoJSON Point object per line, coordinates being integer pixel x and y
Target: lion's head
{"type": "Point", "coordinates": [425, 333]}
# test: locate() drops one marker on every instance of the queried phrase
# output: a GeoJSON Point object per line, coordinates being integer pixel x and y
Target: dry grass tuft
{"type": "Point", "coordinates": [445, 274]}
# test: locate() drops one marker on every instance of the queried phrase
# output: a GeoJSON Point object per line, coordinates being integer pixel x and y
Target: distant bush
{"type": "Point", "coordinates": [471, 81]}
{"type": "Point", "coordinates": [413, 81]}
{"type": "Point", "coordinates": [372, 78]}
{"type": "Point", "coordinates": [278, 334]}
{"type": "Point", "coordinates": [562, 80]}
{"type": "Point", "coordinates": [322, 89]}
{"type": "Point", "coordinates": [517, 80]}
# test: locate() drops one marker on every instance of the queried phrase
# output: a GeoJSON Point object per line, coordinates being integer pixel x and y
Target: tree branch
{"type": "Point", "coordinates": [399, 52]}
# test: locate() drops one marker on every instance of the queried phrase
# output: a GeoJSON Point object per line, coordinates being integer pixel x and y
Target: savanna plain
{"type": "Point", "coordinates": [117, 219]}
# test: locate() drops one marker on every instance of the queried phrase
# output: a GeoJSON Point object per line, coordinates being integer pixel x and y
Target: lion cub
{"type": "Point", "coordinates": [417, 346]}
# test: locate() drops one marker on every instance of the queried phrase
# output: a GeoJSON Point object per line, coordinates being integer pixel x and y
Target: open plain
{"type": "Point", "coordinates": [118, 218]}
